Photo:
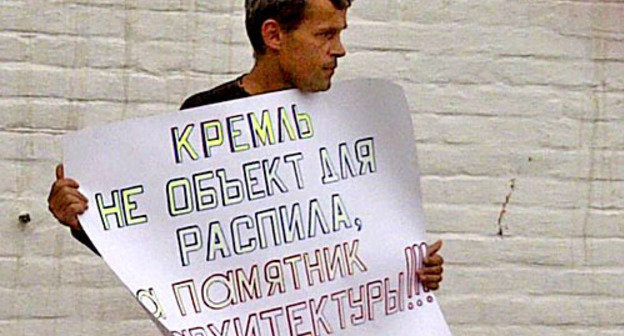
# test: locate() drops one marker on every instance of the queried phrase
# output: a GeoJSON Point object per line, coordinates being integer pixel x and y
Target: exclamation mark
{"type": "Point", "coordinates": [414, 256]}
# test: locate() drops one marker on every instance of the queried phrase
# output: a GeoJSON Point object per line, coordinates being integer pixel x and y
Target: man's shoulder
{"type": "Point", "coordinates": [224, 92]}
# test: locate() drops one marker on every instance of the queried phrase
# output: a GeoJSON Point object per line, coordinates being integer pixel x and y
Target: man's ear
{"type": "Point", "coordinates": [272, 34]}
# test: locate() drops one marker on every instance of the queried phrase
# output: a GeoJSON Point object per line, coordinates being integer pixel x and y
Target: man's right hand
{"type": "Point", "coordinates": [65, 201]}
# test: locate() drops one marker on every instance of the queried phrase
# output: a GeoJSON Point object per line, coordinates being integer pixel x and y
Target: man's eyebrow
{"type": "Point", "coordinates": [332, 29]}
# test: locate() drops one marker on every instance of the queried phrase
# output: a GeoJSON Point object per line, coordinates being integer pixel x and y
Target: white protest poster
{"type": "Point", "coordinates": [281, 214]}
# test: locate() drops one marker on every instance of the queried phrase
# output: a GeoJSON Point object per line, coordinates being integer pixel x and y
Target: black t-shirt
{"type": "Point", "coordinates": [224, 92]}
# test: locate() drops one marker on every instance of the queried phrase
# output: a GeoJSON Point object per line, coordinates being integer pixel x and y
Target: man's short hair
{"type": "Point", "coordinates": [288, 13]}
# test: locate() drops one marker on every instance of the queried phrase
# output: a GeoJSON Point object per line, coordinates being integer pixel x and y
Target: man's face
{"type": "Point", "coordinates": [309, 53]}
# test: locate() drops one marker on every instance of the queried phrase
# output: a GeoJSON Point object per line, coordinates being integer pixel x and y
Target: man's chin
{"type": "Point", "coordinates": [318, 87]}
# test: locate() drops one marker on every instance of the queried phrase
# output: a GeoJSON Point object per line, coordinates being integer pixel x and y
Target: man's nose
{"type": "Point", "coordinates": [338, 48]}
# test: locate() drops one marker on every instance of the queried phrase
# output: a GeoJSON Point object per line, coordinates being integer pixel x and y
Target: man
{"type": "Point", "coordinates": [296, 45]}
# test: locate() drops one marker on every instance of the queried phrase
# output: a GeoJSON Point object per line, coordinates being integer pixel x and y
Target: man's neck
{"type": "Point", "coordinates": [265, 77]}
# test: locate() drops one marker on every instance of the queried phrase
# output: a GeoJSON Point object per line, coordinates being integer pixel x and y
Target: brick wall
{"type": "Point", "coordinates": [519, 101]}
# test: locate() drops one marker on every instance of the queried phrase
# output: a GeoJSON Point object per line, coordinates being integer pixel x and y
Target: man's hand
{"type": "Point", "coordinates": [65, 201]}
{"type": "Point", "coordinates": [431, 273]}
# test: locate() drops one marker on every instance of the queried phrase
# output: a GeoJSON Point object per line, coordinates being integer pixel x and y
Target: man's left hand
{"type": "Point", "coordinates": [430, 275]}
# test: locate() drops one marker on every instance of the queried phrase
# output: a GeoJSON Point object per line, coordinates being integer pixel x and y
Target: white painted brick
{"type": "Point", "coordinates": [9, 269]}
{"type": "Point", "coordinates": [19, 80]}
{"type": "Point", "coordinates": [608, 135]}
{"type": "Point", "coordinates": [228, 6]}
{"type": "Point", "coordinates": [97, 3]}
{"type": "Point", "coordinates": [10, 247]}
{"type": "Point", "coordinates": [472, 280]}
{"type": "Point", "coordinates": [91, 327]}
{"type": "Point", "coordinates": [13, 48]}
{"type": "Point", "coordinates": [607, 195]}
{"type": "Point", "coordinates": [492, 191]}
{"type": "Point", "coordinates": [357, 64]}
{"type": "Point", "coordinates": [440, 159]}
{"type": "Point", "coordinates": [380, 10]}
{"type": "Point", "coordinates": [554, 311]}
{"type": "Point", "coordinates": [18, 146]}
{"type": "Point", "coordinates": [100, 21]}
{"type": "Point", "coordinates": [445, 69]}
{"type": "Point", "coordinates": [43, 236]}
{"type": "Point", "coordinates": [503, 100]}
{"type": "Point", "coordinates": [111, 303]}
{"type": "Point", "coordinates": [13, 16]}
{"type": "Point", "coordinates": [462, 40]}
{"type": "Point", "coordinates": [213, 28]}
{"type": "Point", "coordinates": [150, 25]}
{"type": "Point", "coordinates": [550, 193]}
{"type": "Point", "coordinates": [30, 271]}
{"type": "Point", "coordinates": [52, 50]}
{"type": "Point", "coordinates": [46, 17]}
{"type": "Point", "coordinates": [12, 81]}
{"type": "Point", "coordinates": [605, 224]}
{"type": "Point", "coordinates": [367, 35]}
{"type": "Point", "coordinates": [139, 110]}
{"type": "Point", "coordinates": [585, 18]}
{"type": "Point", "coordinates": [137, 84]}
{"type": "Point", "coordinates": [104, 53]}
{"type": "Point", "coordinates": [482, 191]}
{"type": "Point", "coordinates": [614, 76]}
{"type": "Point", "coordinates": [9, 299]}
{"type": "Point", "coordinates": [497, 12]}
{"type": "Point", "coordinates": [517, 221]}
{"type": "Point", "coordinates": [610, 106]}
{"type": "Point", "coordinates": [160, 5]}
{"type": "Point", "coordinates": [495, 250]}
{"type": "Point", "coordinates": [521, 71]}
{"type": "Point", "coordinates": [161, 56]}
{"type": "Point", "coordinates": [603, 49]}
{"type": "Point", "coordinates": [95, 113]}
{"type": "Point", "coordinates": [34, 179]}
{"type": "Point", "coordinates": [41, 302]}
{"type": "Point", "coordinates": [442, 218]}
{"type": "Point", "coordinates": [86, 271]}
{"type": "Point", "coordinates": [221, 59]}
{"type": "Point", "coordinates": [503, 132]}
{"type": "Point", "coordinates": [8, 184]}
{"type": "Point", "coordinates": [35, 114]}
{"type": "Point", "coordinates": [93, 84]}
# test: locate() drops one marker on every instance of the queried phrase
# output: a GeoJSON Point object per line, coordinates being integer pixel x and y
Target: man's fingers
{"type": "Point", "coordinates": [432, 285]}
{"type": "Point", "coordinates": [74, 224]}
{"type": "Point", "coordinates": [433, 249]}
{"type": "Point", "coordinates": [74, 192]}
{"type": "Point", "coordinates": [60, 185]}
{"type": "Point", "coordinates": [70, 215]}
{"type": "Point", "coordinates": [67, 208]}
{"type": "Point", "coordinates": [67, 183]}
{"type": "Point", "coordinates": [76, 209]}
{"type": "Point", "coordinates": [71, 198]}
{"type": "Point", "coordinates": [433, 258]}
{"type": "Point", "coordinates": [436, 260]}
{"type": "Point", "coordinates": [60, 172]}
{"type": "Point", "coordinates": [426, 279]}
{"type": "Point", "coordinates": [436, 270]}
{"type": "Point", "coordinates": [65, 196]}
